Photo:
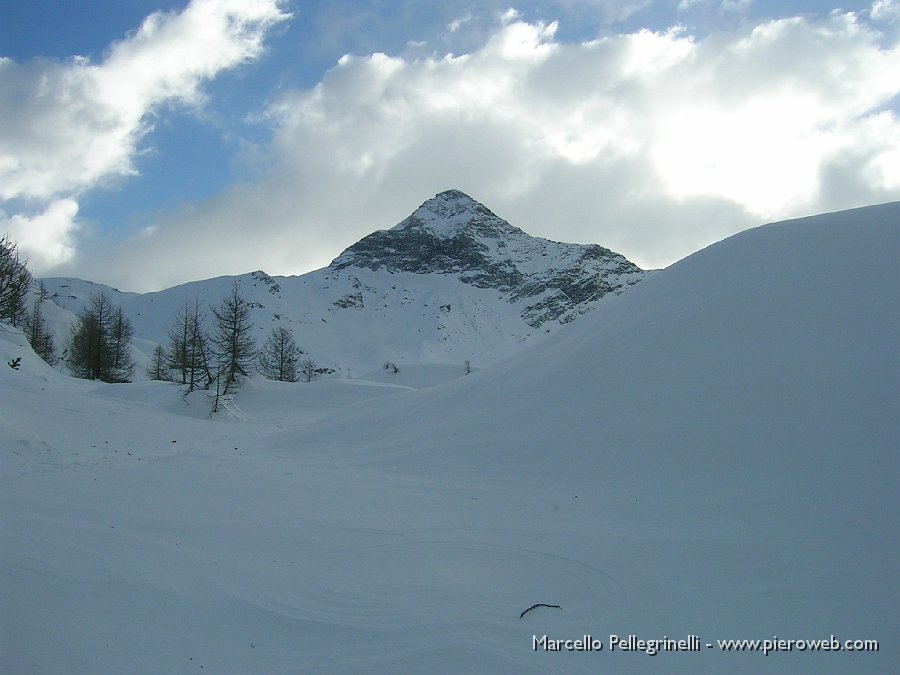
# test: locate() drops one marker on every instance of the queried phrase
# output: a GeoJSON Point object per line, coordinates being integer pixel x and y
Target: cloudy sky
{"type": "Point", "coordinates": [151, 142]}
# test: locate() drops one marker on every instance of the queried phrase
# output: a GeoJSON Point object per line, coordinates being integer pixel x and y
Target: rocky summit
{"type": "Point", "coordinates": [452, 234]}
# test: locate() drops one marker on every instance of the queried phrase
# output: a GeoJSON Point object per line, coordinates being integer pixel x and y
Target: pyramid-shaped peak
{"type": "Point", "coordinates": [454, 197]}
{"type": "Point", "coordinates": [452, 194]}
{"type": "Point", "coordinates": [449, 212]}
{"type": "Point", "coordinates": [452, 212]}
{"type": "Point", "coordinates": [452, 234]}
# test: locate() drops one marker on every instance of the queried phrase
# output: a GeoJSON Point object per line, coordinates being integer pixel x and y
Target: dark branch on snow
{"type": "Point", "coordinates": [540, 604]}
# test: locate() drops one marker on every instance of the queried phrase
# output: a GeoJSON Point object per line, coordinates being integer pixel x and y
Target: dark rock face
{"type": "Point", "coordinates": [453, 234]}
{"type": "Point", "coordinates": [416, 250]}
{"type": "Point", "coordinates": [260, 276]}
{"type": "Point", "coordinates": [596, 272]}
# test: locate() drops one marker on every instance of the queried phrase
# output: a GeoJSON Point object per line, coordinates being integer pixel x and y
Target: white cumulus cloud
{"type": "Point", "coordinates": [75, 125]}
{"type": "Point", "coordinates": [46, 238]}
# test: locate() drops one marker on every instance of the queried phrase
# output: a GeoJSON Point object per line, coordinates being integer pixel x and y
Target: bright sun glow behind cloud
{"type": "Point", "coordinates": [710, 151]}
{"type": "Point", "coordinates": [711, 119]}
{"type": "Point", "coordinates": [762, 144]}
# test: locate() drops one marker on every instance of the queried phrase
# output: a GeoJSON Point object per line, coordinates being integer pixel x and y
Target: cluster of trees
{"type": "Point", "coordinates": [280, 356]}
{"type": "Point", "coordinates": [99, 347]}
{"type": "Point", "coordinates": [281, 359]}
{"type": "Point", "coordinates": [15, 283]}
{"type": "Point", "coordinates": [21, 302]}
{"type": "Point", "coordinates": [100, 344]}
{"type": "Point", "coordinates": [196, 356]}
{"type": "Point", "coordinates": [199, 358]}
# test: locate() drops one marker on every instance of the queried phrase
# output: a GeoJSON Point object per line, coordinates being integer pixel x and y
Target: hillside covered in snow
{"type": "Point", "coordinates": [712, 453]}
{"type": "Point", "coordinates": [451, 283]}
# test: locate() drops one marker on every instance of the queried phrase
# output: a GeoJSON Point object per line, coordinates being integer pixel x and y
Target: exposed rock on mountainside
{"type": "Point", "coordinates": [453, 234]}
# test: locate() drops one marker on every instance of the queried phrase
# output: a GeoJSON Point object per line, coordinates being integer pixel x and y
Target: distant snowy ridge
{"type": "Point", "coordinates": [451, 283]}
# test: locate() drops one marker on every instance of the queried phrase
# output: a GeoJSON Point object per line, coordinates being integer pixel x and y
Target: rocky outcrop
{"type": "Point", "coordinates": [454, 234]}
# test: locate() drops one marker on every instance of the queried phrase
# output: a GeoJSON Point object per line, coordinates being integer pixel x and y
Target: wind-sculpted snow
{"type": "Point", "coordinates": [711, 454]}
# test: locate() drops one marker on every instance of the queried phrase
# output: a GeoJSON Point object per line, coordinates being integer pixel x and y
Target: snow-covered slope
{"type": "Point", "coordinates": [718, 446]}
{"type": "Point", "coordinates": [712, 453]}
{"type": "Point", "coordinates": [451, 283]}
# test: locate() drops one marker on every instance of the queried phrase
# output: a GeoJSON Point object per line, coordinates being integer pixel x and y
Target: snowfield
{"type": "Point", "coordinates": [711, 453]}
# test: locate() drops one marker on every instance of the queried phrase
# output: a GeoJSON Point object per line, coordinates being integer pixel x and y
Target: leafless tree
{"type": "Point", "coordinates": [280, 356]}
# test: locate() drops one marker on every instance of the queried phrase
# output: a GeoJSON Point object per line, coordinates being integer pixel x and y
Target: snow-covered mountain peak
{"type": "Point", "coordinates": [453, 212]}
{"type": "Point", "coordinates": [451, 234]}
